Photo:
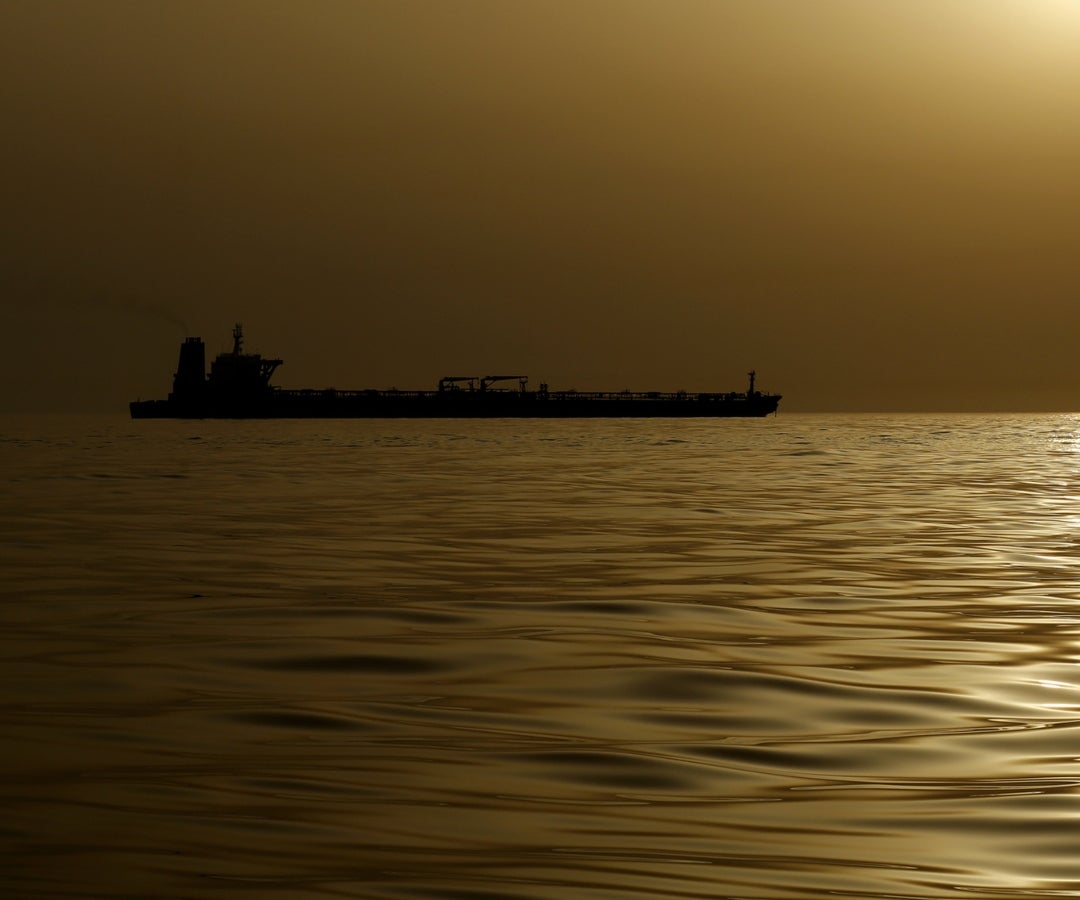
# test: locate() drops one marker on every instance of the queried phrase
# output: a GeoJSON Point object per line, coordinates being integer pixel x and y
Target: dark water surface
{"type": "Point", "coordinates": [797, 657]}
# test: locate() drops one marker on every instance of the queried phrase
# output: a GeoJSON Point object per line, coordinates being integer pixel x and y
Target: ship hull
{"type": "Point", "coordinates": [513, 406]}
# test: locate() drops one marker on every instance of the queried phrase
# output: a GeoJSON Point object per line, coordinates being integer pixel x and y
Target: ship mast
{"type": "Point", "coordinates": [237, 339]}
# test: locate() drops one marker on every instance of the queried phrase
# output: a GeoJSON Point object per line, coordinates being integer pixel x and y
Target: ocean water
{"type": "Point", "coordinates": [804, 656]}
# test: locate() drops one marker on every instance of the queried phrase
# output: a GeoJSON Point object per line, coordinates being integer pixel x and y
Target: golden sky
{"type": "Point", "coordinates": [875, 203]}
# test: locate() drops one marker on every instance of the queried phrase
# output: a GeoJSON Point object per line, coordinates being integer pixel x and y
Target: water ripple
{"type": "Point", "coordinates": [808, 656]}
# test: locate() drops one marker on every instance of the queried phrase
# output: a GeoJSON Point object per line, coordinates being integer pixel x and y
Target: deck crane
{"type": "Point", "coordinates": [488, 380]}
{"type": "Point", "coordinates": [449, 381]}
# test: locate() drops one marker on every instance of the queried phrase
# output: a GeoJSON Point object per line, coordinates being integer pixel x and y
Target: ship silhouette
{"type": "Point", "coordinates": [238, 387]}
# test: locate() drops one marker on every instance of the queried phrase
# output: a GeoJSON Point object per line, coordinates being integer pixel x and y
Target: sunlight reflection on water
{"type": "Point", "coordinates": [775, 659]}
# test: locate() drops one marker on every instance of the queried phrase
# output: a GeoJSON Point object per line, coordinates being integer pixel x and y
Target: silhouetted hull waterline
{"type": "Point", "coordinates": [301, 404]}
{"type": "Point", "coordinates": [238, 388]}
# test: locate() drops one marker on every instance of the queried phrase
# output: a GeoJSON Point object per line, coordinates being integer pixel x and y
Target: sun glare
{"type": "Point", "coordinates": [1040, 35]}
{"type": "Point", "coordinates": [1058, 17]}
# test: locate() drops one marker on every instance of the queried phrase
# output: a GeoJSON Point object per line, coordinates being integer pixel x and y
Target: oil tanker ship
{"type": "Point", "coordinates": [238, 387]}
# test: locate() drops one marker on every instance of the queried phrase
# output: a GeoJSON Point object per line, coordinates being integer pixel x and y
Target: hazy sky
{"type": "Point", "coordinates": [875, 203]}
